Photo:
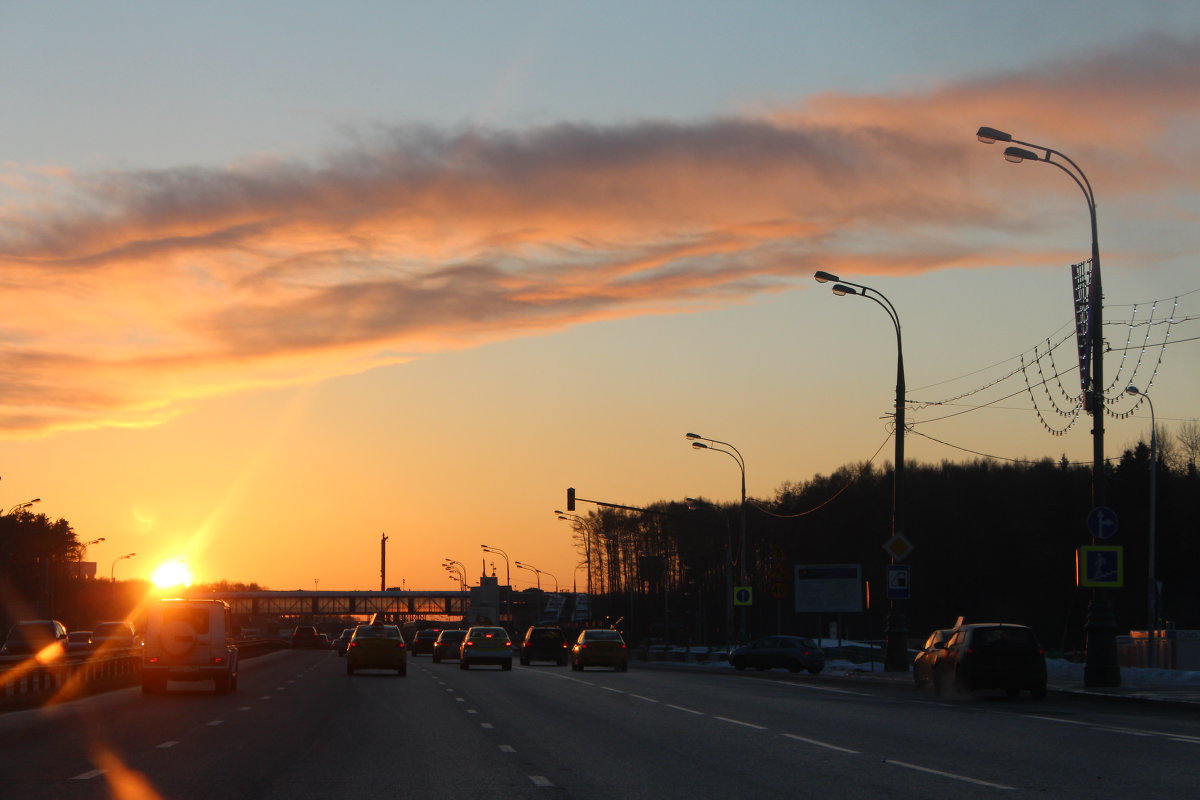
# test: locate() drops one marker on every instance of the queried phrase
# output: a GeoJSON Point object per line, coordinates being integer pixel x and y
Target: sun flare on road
{"type": "Point", "coordinates": [171, 574]}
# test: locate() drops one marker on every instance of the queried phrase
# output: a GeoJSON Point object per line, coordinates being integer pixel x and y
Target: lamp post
{"type": "Point", "coordinates": [1152, 588]}
{"type": "Point", "coordinates": [718, 446]}
{"type": "Point", "coordinates": [539, 574]}
{"type": "Point", "coordinates": [587, 543]}
{"type": "Point", "coordinates": [458, 570]}
{"type": "Point", "coordinates": [23, 506]}
{"type": "Point", "coordinates": [1101, 668]}
{"type": "Point", "coordinates": [112, 573]}
{"type": "Point", "coordinates": [895, 657]}
{"type": "Point", "coordinates": [507, 577]}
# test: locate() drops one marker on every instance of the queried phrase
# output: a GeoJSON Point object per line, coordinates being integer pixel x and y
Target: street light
{"type": "Point", "coordinates": [507, 575]}
{"type": "Point", "coordinates": [112, 573]}
{"type": "Point", "coordinates": [1101, 668]}
{"type": "Point", "coordinates": [539, 573]}
{"type": "Point", "coordinates": [717, 446]}
{"type": "Point", "coordinates": [1152, 590]}
{"type": "Point", "coordinates": [895, 658]}
{"type": "Point", "coordinates": [459, 570]}
{"type": "Point", "coordinates": [23, 506]}
{"type": "Point", "coordinates": [587, 543]}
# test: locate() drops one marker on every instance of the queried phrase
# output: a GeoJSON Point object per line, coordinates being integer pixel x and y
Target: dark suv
{"type": "Point", "coordinates": [305, 636]}
{"type": "Point", "coordinates": [544, 644]}
{"type": "Point", "coordinates": [422, 641]}
{"type": "Point", "coordinates": [991, 656]}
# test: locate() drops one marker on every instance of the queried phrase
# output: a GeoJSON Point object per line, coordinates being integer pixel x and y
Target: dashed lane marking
{"type": "Point", "coordinates": [486, 725]}
{"type": "Point", "coordinates": [212, 723]}
{"type": "Point", "coordinates": [87, 776]}
{"type": "Point", "coordinates": [507, 748]}
{"type": "Point", "coordinates": [744, 724]}
{"type": "Point", "coordinates": [541, 780]}
{"type": "Point", "coordinates": [643, 697]}
{"type": "Point", "coordinates": [950, 775]}
{"type": "Point", "coordinates": [688, 710]}
{"type": "Point", "coordinates": [166, 745]}
{"type": "Point", "coordinates": [819, 743]}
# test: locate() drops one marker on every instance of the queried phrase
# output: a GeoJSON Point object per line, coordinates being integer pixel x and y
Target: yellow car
{"type": "Point", "coordinates": [600, 647]}
{"type": "Point", "coordinates": [376, 647]}
{"type": "Point", "coordinates": [484, 644]}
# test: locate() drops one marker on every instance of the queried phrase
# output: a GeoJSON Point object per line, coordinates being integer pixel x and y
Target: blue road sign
{"type": "Point", "coordinates": [1100, 566]}
{"type": "Point", "coordinates": [743, 595]}
{"type": "Point", "coordinates": [899, 581]}
{"type": "Point", "coordinates": [1102, 522]}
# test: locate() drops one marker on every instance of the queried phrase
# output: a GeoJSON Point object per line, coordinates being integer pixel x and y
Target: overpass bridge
{"type": "Point", "coordinates": [393, 605]}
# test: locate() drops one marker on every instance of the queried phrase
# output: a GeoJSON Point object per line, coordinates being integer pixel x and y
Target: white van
{"type": "Point", "coordinates": [189, 640]}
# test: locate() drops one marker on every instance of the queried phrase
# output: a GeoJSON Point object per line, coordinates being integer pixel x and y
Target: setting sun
{"type": "Point", "coordinates": [172, 573]}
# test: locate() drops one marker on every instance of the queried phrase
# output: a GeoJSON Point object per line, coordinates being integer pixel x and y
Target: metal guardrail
{"type": "Point", "coordinates": [24, 682]}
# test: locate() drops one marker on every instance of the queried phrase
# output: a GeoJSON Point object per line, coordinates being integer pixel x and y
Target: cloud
{"type": "Point", "coordinates": [128, 293]}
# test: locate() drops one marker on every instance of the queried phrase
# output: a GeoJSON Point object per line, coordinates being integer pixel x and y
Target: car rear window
{"type": "Point", "coordinates": [602, 636]}
{"type": "Point", "coordinates": [377, 632]}
{"type": "Point", "coordinates": [452, 636]}
{"type": "Point", "coordinates": [196, 618]}
{"type": "Point", "coordinates": [1004, 637]}
{"type": "Point", "coordinates": [484, 633]}
{"type": "Point", "coordinates": [551, 636]}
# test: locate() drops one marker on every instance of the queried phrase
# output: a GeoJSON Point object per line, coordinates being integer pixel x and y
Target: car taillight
{"type": "Point", "coordinates": [581, 646]}
{"type": "Point", "coordinates": [218, 660]}
{"type": "Point", "coordinates": [622, 645]}
{"type": "Point", "coordinates": [352, 644]}
{"type": "Point", "coordinates": [152, 660]}
{"type": "Point", "coordinates": [468, 644]}
{"type": "Point", "coordinates": [564, 645]}
{"type": "Point", "coordinates": [508, 644]}
{"type": "Point", "coordinates": [400, 646]}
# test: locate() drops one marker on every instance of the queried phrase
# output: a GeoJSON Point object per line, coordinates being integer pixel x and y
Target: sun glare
{"type": "Point", "coordinates": [171, 574]}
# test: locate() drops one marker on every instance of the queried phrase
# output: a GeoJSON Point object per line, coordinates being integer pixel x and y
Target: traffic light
{"type": "Point", "coordinates": [570, 499]}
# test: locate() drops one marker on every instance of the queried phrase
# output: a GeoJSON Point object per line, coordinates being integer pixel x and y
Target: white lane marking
{"type": "Point", "coordinates": [688, 710]}
{"type": "Point", "coordinates": [507, 748]}
{"type": "Point", "coordinates": [87, 776]}
{"type": "Point", "coordinates": [1115, 729]}
{"type": "Point", "coordinates": [540, 780]}
{"type": "Point", "coordinates": [244, 708]}
{"type": "Point", "coordinates": [610, 689]}
{"type": "Point", "coordinates": [819, 743]}
{"type": "Point", "coordinates": [460, 699]}
{"type": "Point", "coordinates": [951, 775]}
{"type": "Point", "coordinates": [214, 722]}
{"type": "Point", "coordinates": [643, 697]}
{"type": "Point", "coordinates": [280, 688]}
{"type": "Point", "coordinates": [486, 725]}
{"type": "Point", "coordinates": [166, 745]}
{"type": "Point", "coordinates": [472, 711]}
{"type": "Point", "coordinates": [824, 689]}
{"type": "Point", "coordinates": [739, 722]}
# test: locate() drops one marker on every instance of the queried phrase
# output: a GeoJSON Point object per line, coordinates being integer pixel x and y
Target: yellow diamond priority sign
{"type": "Point", "coordinates": [898, 547]}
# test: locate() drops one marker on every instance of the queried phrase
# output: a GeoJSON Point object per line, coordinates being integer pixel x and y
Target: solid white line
{"type": "Point", "coordinates": [165, 745]}
{"type": "Point", "coordinates": [819, 743]}
{"type": "Point", "coordinates": [739, 722]}
{"type": "Point", "coordinates": [540, 780]}
{"type": "Point", "coordinates": [87, 776]}
{"type": "Point", "coordinates": [610, 689]}
{"type": "Point", "coordinates": [507, 748]}
{"type": "Point", "coordinates": [642, 697]}
{"type": "Point", "coordinates": [688, 710]}
{"type": "Point", "coordinates": [975, 781]}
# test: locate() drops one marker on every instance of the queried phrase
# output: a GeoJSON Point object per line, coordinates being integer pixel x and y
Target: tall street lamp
{"type": "Point", "coordinates": [1152, 589]}
{"type": "Point", "coordinates": [587, 542]}
{"type": "Point", "coordinates": [23, 506]}
{"type": "Point", "coordinates": [895, 654]}
{"type": "Point", "coordinates": [540, 573]}
{"type": "Point", "coordinates": [1101, 668]}
{"type": "Point", "coordinates": [716, 445]}
{"type": "Point", "coordinates": [507, 574]}
{"type": "Point", "coordinates": [112, 573]}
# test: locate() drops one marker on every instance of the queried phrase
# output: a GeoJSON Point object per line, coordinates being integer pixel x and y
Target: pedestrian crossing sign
{"type": "Point", "coordinates": [1100, 566]}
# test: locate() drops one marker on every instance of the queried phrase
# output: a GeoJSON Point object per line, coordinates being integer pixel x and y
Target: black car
{"type": "Point", "coordinates": [306, 636]}
{"type": "Point", "coordinates": [447, 645]}
{"type": "Point", "coordinates": [991, 656]}
{"type": "Point", "coordinates": [35, 636]}
{"type": "Point", "coordinates": [792, 653]}
{"type": "Point", "coordinates": [544, 644]}
{"type": "Point", "coordinates": [422, 641]}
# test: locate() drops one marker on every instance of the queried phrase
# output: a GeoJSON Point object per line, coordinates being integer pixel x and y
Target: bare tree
{"type": "Point", "coordinates": [1187, 436]}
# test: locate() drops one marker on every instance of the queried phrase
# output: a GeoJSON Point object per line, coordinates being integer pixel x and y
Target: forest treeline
{"type": "Point", "coordinates": [993, 541]}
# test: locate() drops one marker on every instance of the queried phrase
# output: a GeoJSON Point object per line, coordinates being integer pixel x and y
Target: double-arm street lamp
{"type": "Point", "coordinates": [112, 573]}
{"type": "Point", "coordinates": [1101, 668]}
{"type": "Point", "coordinates": [23, 506]}
{"type": "Point", "coordinates": [1152, 560]}
{"type": "Point", "coordinates": [458, 570]}
{"type": "Point", "coordinates": [502, 554]}
{"type": "Point", "coordinates": [895, 653]}
{"type": "Point", "coordinates": [587, 542]}
{"type": "Point", "coordinates": [716, 445]}
{"type": "Point", "coordinates": [539, 573]}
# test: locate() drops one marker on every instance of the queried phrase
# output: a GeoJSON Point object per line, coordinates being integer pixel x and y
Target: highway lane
{"type": "Point", "coordinates": [300, 728]}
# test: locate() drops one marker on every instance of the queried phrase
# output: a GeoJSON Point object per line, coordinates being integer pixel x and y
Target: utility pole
{"type": "Point", "coordinates": [383, 562]}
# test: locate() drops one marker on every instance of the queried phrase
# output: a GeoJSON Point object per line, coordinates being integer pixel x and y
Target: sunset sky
{"type": "Point", "coordinates": [280, 277]}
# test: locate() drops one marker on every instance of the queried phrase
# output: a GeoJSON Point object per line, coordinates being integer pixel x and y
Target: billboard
{"type": "Point", "coordinates": [829, 588]}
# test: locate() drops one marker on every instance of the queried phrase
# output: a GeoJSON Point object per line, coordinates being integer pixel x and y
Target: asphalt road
{"type": "Point", "coordinates": [300, 728]}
